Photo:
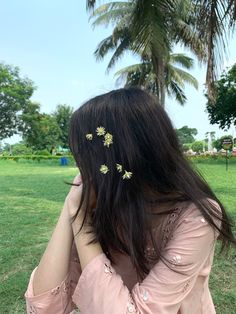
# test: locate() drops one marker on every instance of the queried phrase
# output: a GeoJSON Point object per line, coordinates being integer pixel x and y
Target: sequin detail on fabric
{"type": "Point", "coordinates": [55, 291]}
{"type": "Point", "coordinates": [167, 231]}
{"type": "Point", "coordinates": [145, 296]}
{"type": "Point", "coordinates": [66, 287]}
{"type": "Point", "coordinates": [186, 286]}
{"type": "Point", "coordinates": [169, 227]}
{"type": "Point", "coordinates": [107, 269]}
{"type": "Point", "coordinates": [32, 310]}
{"type": "Point", "coordinates": [131, 308]}
{"type": "Point", "coordinates": [176, 260]}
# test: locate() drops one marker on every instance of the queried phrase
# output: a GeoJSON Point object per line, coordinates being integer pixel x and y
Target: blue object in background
{"type": "Point", "coordinates": [63, 161]}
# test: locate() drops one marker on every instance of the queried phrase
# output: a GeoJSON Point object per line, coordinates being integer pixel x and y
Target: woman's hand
{"type": "Point", "coordinates": [73, 198]}
{"type": "Point", "coordinates": [82, 236]}
{"type": "Point", "coordinates": [73, 201]}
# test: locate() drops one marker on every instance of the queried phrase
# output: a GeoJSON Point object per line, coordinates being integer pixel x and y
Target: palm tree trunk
{"type": "Point", "coordinates": [162, 87]}
{"type": "Point", "coordinates": [158, 66]}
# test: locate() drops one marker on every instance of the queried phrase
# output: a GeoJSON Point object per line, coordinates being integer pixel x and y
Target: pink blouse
{"type": "Point", "coordinates": [103, 288]}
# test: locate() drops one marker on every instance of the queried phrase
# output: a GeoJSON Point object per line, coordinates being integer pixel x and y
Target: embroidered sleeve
{"type": "Point", "coordinates": [165, 287]}
{"type": "Point", "coordinates": [59, 299]}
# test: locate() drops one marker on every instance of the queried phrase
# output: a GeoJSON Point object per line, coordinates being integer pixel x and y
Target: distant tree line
{"type": "Point", "coordinates": [43, 131]}
{"type": "Point", "coordinates": [188, 141]}
{"type": "Point", "coordinates": [20, 115]}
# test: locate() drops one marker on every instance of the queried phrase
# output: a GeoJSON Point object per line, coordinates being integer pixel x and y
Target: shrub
{"type": "Point", "coordinates": [197, 146]}
{"type": "Point", "coordinates": [43, 152]}
{"type": "Point", "coordinates": [187, 146]}
{"type": "Point", "coordinates": [37, 158]}
{"type": "Point", "coordinates": [21, 149]}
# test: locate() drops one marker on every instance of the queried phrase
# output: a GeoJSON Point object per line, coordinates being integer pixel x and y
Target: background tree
{"type": "Point", "coordinates": [223, 110]}
{"type": "Point", "coordinates": [6, 149]}
{"type": "Point", "coordinates": [186, 134]}
{"type": "Point", "coordinates": [62, 115]}
{"type": "Point", "coordinates": [199, 146]}
{"type": "Point", "coordinates": [151, 22]}
{"type": "Point", "coordinates": [15, 93]}
{"type": "Point", "coordinates": [39, 130]}
{"type": "Point", "coordinates": [218, 142]}
{"type": "Point", "coordinates": [150, 32]}
{"type": "Point", "coordinates": [187, 146]}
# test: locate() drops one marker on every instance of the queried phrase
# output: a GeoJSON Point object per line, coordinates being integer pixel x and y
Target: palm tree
{"type": "Point", "coordinates": [155, 57]}
{"type": "Point", "coordinates": [143, 75]}
{"type": "Point", "coordinates": [213, 20]}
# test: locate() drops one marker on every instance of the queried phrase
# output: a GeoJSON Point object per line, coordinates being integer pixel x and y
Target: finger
{"type": "Point", "coordinates": [78, 180]}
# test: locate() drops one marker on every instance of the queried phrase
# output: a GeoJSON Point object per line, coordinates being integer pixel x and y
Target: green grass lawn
{"type": "Point", "coordinates": [31, 197]}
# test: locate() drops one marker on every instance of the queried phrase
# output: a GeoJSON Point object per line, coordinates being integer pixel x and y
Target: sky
{"type": "Point", "coordinates": [52, 42]}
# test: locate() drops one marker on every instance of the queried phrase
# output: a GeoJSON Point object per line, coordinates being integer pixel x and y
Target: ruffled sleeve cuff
{"type": "Point", "coordinates": [56, 300]}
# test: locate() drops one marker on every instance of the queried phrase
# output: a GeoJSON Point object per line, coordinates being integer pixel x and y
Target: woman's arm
{"type": "Point", "coordinates": [86, 252]}
{"type": "Point", "coordinates": [54, 263]}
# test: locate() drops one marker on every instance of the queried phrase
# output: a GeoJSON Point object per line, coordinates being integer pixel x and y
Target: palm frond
{"type": "Point", "coordinates": [231, 12]}
{"type": "Point", "coordinates": [118, 43]}
{"type": "Point", "coordinates": [212, 24]}
{"type": "Point", "coordinates": [186, 35]}
{"type": "Point", "coordinates": [153, 28]}
{"type": "Point", "coordinates": [182, 59]}
{"type": "Point", "coordinates": [104, 47]}
{"type": "Point", "coordinates": [90, 4]}
{"type": "Point", "coordinates": [123, 46]}
{"type": "Point", "coordinates": [138, 75]}
{"type": "Point", "coordinates": [142, 74]}
{"type": "Point", "coordinates": [175, 90]}
{"type": "Point", "coordinates": [181, 77]}
{"type": "Point", "coordinates": [142, 69]}
{"type": "Point", "coordinates": [110, 6]}
{"type": "Point", "coordinates": [183, 30]}
{"type": "Point", "coordinates": [110, 13]}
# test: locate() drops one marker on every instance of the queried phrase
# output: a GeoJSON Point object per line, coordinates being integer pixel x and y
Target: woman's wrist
{"type": "Point", "coordinates": [86, 252]}
{"type": "Point", "coordinates": [65, 214]}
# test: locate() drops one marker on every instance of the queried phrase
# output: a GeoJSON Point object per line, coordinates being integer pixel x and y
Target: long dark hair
{"type": "Point", "coordinates": [144, 143]}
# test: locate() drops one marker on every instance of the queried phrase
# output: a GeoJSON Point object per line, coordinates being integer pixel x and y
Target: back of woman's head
{"type": "Point", "coordinates": [127, 151]}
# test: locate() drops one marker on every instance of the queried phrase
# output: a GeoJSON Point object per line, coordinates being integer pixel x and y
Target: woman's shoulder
{"type": "Point", "coordinates": [186, 212]}
{"type": "Point", "coordinates": [192, 209]}
{"type": "Point", "coordinates": [190, 212]}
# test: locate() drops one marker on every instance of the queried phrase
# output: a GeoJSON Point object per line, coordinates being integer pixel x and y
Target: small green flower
{"type": "Point", "coordinates": [100, 131]}
{"type": "Point", "coordinates": [89, 136]}
{"type": "Point", "coordinates": [119, 167]}
{"type": "Point", "coordinates": [104, 169]}
{"type": "Point", "coordinates": [127, 175]}
{"type": "Point", "coordinates": [108, 139]}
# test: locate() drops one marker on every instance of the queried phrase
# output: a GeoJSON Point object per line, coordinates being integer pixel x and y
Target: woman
{"type": "Point", "coordinates": [138, 228]}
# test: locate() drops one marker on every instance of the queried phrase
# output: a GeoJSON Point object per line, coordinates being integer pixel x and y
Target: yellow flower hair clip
{"type": "Point", "coordinates": [100, 131]}
{"type": "Point", "coordinates": [119, 167]}
{"type": "Point", "coordinates": [104, 169]}
{"type": "Point", "coordinates": [89, 136]}
{"type": "Point", "coordinates": [127, 175]}
{"type": "Point", "coordinates": [108, 139]}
